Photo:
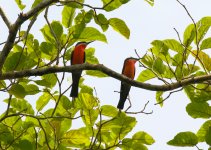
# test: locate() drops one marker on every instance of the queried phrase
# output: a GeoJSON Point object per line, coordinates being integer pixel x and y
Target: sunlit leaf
{"type": "Point", "coordinates": [208, 136]}
{"type": "Point", "coordinates": [42, 101]}
{"type": "Point", "coordinates": [143, 137]}
{"type": "Point", "coordinates": [202, 27]}
{"type": "Point", "coordinates": [90, 34]}
{"type": "Point", "coordinates": [90, 116]}
{"type": "Point", "coordinates": [76, 138]}
{"type": "Point", "coordinates": [102, 21]}
{"type": "Point", "coordinates": [174, 45]}
{"type": "Point", "coordinates": [146, 75]}
{"type": "Point", "coordinates": [202, 132]}
{"type": "Point", "coordinates": [151, 2]}
{"type": "Point", "coordinates": [206, 44]}
{"type": "Point", "coordinates": [68, 14]}
{"type": "Point", "coordinates": [159, 98]}
{"type": "Point", "coordinates": [158, 66]}
{"type": "Point", "coordinates": [189, 35]}
{"type": "Point", "coordinates": [20, 4]}
{"type": "Point", "coordinates": [108, 110]}
{"type": "Point", "coordinates": [199, 94]}
{"type": "Point", "coordinates": [17, 90]}
{"type": "Point", "coordinates": [184, 139]}
{"type": "Point", "coordinates": [112, 5]}
{"type": "Point", "coordinates": [160, 47]}
{"type": "Point", "coordinates": [120, 26]}
{"type": "Point", "coordinates": [203, 59]}
{"type": "Point", "coordinates": [199, 110]}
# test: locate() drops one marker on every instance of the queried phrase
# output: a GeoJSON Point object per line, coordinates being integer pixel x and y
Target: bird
{"type": "Point", "coordinates": [129, 71]}
{"type": "Point", "coordinates": [78, 56]}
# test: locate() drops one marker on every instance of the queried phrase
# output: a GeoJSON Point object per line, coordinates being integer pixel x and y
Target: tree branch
{"type": "Point", "coordinates": [14, 28]}
{"type": "Point", "coordinates": [109, 72]}
{"type": "Point", "coordinates": [5, 19]}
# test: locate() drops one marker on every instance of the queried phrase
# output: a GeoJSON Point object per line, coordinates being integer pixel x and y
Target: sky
{"type": "Point", "coordinates": [146, 24]}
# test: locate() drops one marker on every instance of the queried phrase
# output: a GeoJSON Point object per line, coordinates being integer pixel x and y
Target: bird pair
{"type": "Point", "coordinates": [78, 57]}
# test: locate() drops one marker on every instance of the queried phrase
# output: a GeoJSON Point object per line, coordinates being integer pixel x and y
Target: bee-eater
{"type": "Point", "coordinates": [129, 71]}
{"type": "Point", "coordinates": [77, 57]}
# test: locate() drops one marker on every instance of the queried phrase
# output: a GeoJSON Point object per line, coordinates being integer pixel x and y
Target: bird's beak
{"type": "Point", "coordinates": [136, 59]}
{"type": "Point", "coordinates": [89, 42]}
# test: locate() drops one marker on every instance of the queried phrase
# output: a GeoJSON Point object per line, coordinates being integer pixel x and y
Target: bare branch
{"type": "Point", "coordinates": [4, 17]}
{"type": "Point", "coordinates": [169, 95]}
{"type": "Point", "coordinates": [109, 72]}
{"type": "Point", "coordinates": [142, 111]}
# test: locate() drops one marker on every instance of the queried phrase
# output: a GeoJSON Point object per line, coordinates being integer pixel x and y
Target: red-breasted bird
{"type": "Point", "coordinates": [129, 71]}
{"type": "Point", "coordinates": [77, 57]}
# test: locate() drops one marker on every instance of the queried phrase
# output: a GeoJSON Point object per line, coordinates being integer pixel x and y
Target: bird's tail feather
{"type": "Point", "coordinates": [74, 90]}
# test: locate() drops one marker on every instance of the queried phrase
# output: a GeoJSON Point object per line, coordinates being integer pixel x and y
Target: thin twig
{"type": "Point", "coordinates": [4, 17]}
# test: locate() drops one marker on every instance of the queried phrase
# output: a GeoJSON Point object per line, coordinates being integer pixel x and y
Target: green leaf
{"type": "Point", "coordinates": [86, 101]}
{"type": "Point", "coordinates": [174, 45]}
{"type": "Point", "coordinates": [42, 101]}
{"type": "Point", "coordinates": [76, 138]}
{"type": "Point", "coordinates": [17, 90]}
{"type": "Point", "coordinates": [130, 144]}
{"type": "Point", "coordinates": [75, 5]}
{"type": "Point", "coordinates": [120, 126]}
{"type": "Point", "coordinates": [102, 21]}
{"type": "Point", "coordinates": [199, 94]}
{"type": "Point", "coordinates": [108, 110]}
{"type": "Point", "coordinates": [47, 48]}
{"type": "Point", "coordinates": [112, 5]}
{"type": "Point", "coordinates": [202, 132]}
{"type": "Point", "coordinates": [206, 44]}
{"type": "Point", "coordinates": [90, 56]}
{"type": "Point", "coordinates": [189, 35]}
{"type": "Point", "coordinates": [96, 73]}
{"type": "Point", "coordinates": [203, 59]}
{"type": "Point", "coordinates": [159, 98]}
{"type": "Point", "coordinates": [21, 105]}
{"type": "Point", "coordinates": [48, 80]}
{"type": "Point", "coordinates": [90, 34]}
{"type": "Point", "coordinates": [208, 136]}
{"type": "Point", "coordinates": [202, 26]}
{"type": "Point", "coordinates": [68, 14]}
{"type": "Point", "coordinates": [151, 2]}
{"type": "Point", "coordinates": [158, 66]}
{"type": "Point", "coordinates": [199, 110]}
{"type": "Point", "coordinates": [143, 138]}
{"type": "Point", "coordinates": [20, 4]}
{"type": "Point", "coordinates": [184, 139]}
{"type": "Point", "coordinates": [146, 75]}
{"type": "Point", "coordinates": [25, 145]}
{"type": "Point", "coordinates": [31, 89]}
{"type": "Point", "coordinates": [90, 116]}
{"type": "Point", "coordinates": [57, 29]}
{"type": "Point", "coordinates": [36, 2]}
{"type": "Point", "coordinates": [120, 26]}
{"type": "Point", "coordinates": [160, 48]}
{"type": "Point", "coordinates": [18, 61]}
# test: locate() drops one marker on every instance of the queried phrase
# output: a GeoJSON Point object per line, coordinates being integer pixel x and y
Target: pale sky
{"type": "Point", "coordinates": [146, 24]}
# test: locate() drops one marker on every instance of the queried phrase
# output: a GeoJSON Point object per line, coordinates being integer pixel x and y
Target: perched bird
{"type": "Point", "coordinates": [77, 57]}
{"type": "Point", "coordinates": [129, 71]}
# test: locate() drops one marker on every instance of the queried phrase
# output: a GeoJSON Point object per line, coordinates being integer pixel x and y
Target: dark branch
{"type": "Point", "coordinates": [109, 72]}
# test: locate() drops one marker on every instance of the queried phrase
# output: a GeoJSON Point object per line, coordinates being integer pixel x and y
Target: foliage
{"type": "Point", "coordinates": [43, 126]}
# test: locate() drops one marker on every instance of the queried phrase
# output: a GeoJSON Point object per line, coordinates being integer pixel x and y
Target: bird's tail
{"type": "Point", "coordinates": [74, 90]}
{"type": "Point", "coordinates": [124, 91]}
{"type": "Point", "coordinates": [121, 103]}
